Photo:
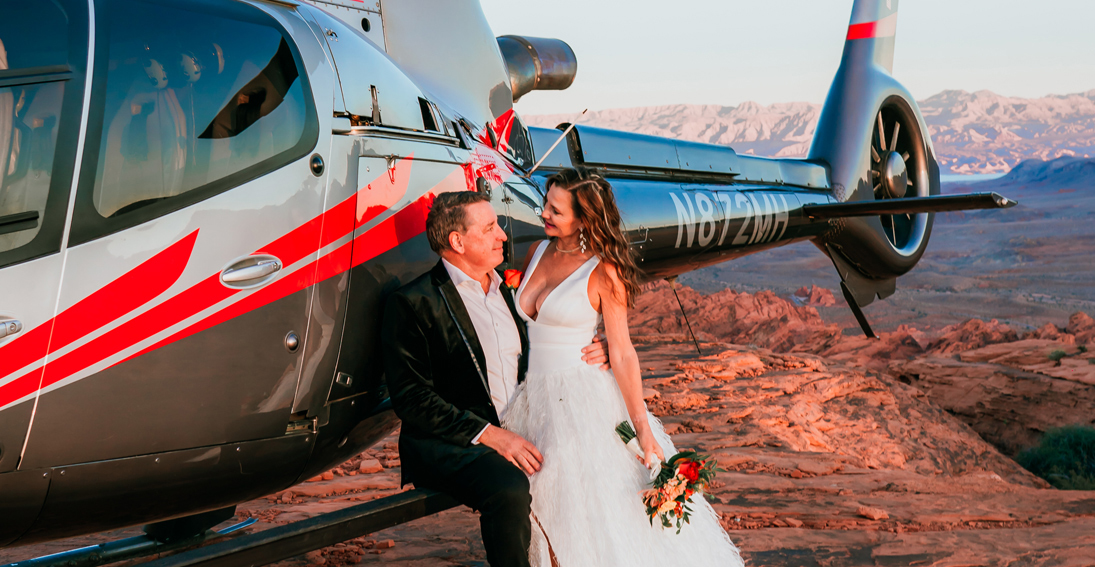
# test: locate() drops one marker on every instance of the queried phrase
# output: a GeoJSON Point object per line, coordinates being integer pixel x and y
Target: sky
{"type": "Point", "coordinates": [646, 53]}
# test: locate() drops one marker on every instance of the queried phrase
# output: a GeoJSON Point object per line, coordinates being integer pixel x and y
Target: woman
{"type": "Point", "coordinates": [585, 499]}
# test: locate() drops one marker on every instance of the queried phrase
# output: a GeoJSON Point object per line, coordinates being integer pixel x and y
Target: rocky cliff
{"type": "Point", "coordinates": [1010, 388]}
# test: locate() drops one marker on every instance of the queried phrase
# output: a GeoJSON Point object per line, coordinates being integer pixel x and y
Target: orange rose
{"type": "Point", "coordinates": [512, 278]}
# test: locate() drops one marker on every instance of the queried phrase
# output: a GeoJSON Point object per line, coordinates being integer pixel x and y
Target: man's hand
{"type": "Point", "coordinates": [514, 448]}
{"type": "Point", "coordinates": [596, 352]}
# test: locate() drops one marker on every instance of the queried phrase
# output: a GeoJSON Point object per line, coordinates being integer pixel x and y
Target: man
{"type": "Point", "coordinates": [454, 351]}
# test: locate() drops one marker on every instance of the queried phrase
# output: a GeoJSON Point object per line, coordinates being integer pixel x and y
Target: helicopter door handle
{"type": "Point", "coordinates": [9, 327]}
{"type": "Point", "coordinates": [250, 271]}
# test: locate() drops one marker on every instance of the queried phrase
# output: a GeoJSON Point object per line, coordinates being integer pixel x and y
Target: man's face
{"type": "Point", "coordinates": [481, 244]}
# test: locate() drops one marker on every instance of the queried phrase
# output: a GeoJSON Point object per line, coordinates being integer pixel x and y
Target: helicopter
{"type": "Point", "coordinates": [204, 203]}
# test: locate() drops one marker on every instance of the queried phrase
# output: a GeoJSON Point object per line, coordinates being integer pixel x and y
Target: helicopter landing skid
{"type": "Point", "coordinates": [296, 538]}
{"type": "Point", "coordinates": [123, 549]}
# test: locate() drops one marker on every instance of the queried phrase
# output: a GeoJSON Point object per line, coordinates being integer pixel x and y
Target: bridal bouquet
{"type": "Point", "coordinates": [674, 482]}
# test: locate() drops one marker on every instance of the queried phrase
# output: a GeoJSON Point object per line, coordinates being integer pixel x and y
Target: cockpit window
{"type": "Point", "coordinates": [194, 93]}
{"type": "Point", "coordinates": [28, 135]}
{"type": "Point", "coordinates": [514, 141]}
{"type": "Point", "coordinates": [43, 54]}
{"type": "Point", "coordinates": [35, 33]}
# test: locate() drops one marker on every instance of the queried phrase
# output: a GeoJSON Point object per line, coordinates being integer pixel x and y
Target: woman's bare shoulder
{"type": "Point", "coordinates": [607, 278]}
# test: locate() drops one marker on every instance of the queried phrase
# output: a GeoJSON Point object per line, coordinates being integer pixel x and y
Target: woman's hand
{"type": "Point", "coordinates": [650, 448]}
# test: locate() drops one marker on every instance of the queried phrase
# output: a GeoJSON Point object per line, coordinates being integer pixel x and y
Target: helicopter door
{"type": "Point", "coordinates": [194, 235]}
{"type": "Point", "coordinates": [42, 70]}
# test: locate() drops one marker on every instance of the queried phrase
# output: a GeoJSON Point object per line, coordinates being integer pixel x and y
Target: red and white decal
{"type": "Point", "coordinates": [886, 27]}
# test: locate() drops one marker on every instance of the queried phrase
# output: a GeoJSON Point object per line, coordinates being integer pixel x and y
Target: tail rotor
{"type": "Point", "coordinates": [898, 169]}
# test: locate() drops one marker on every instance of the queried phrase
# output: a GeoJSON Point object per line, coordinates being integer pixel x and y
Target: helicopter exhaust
{"type": "Point", "coordinates": [537, 64]}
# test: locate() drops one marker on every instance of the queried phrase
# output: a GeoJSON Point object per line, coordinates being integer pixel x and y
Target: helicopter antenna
{"type": "Point", "coordinates": [573, 123]}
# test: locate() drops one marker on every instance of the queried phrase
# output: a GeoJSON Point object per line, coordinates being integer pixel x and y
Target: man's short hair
{"type": "Point", "coordinates": [449, 214]}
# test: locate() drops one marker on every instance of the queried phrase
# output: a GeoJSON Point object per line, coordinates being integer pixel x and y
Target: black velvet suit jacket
{"type": "Point", "coordinates": [437, 389]}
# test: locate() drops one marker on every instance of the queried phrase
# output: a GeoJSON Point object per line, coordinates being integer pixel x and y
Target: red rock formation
{"type": "Point", "coordinates": [972, 334]}
{"type": "Point", "coordinates": [1051, 332]}
{"type": "Point", "coordinates": [762, 319]}
{"type": "Point", "coordinates": [814, 296]}
{"type": "Point", "coordinates": [1082, 326]}
{"type": "Point", "coordinates": [1009, 390]}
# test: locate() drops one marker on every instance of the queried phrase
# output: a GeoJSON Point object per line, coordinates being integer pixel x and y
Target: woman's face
{"type": "Point", "coordinates": [559, 216]}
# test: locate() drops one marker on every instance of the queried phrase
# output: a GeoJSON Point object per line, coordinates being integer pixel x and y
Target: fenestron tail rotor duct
{"type": "Point", "coordinates": [898, 170]}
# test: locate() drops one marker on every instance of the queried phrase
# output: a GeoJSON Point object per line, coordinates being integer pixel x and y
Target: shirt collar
{"type": "Point", "coordinates": [459, 278]}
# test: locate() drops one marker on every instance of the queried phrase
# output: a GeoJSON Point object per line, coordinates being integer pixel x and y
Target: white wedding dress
{"type": "Point", "coordinates": [586, 496]}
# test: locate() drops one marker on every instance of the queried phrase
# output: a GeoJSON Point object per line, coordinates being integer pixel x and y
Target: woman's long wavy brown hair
{"type": "Point", "coordinates": [595, 206]}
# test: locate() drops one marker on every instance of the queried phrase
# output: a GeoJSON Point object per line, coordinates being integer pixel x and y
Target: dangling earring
{"type": "Point", "coordinates": [582, 238]}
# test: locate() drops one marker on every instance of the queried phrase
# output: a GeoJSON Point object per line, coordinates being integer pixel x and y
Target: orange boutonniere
{"type": "Point", "coordinates": [512, 278]}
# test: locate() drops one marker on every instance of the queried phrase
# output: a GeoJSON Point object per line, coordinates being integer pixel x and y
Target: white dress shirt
{"type": "Point", "coordinates": [497, 333]}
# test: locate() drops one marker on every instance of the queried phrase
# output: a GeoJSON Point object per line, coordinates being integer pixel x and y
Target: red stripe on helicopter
{"type": "Point", "coordinates": [365, 205]}
{"type": "Point", "coordinates": [886, 27]}
{"type": "Point", "coordinates": [404, 225]}
{"type": "Point", "coordinates": [121, 296]}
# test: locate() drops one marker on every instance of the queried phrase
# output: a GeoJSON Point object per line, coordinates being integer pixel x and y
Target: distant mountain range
{"type": "Point", "coordinates": [1064, 173]}
{"type": "Point", "coordinates": [979, 132]}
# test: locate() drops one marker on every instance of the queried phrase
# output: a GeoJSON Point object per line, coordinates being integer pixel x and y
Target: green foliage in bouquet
{"type": "Point", "coordinates": [626, 432]}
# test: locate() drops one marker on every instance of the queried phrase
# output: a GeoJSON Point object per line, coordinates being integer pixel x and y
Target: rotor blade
{"type": "Point", "coordinates": [874, 155]}
{"type": "Point", "coordinates": [881, 132]}
{"type": "Point", "coordinates": [896, 129]}
{"type": "Point", "coordinates": [934, 204]}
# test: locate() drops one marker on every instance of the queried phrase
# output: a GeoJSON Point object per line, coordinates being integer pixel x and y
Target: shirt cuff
{"type": "Point", "coordinates": [475, 440]}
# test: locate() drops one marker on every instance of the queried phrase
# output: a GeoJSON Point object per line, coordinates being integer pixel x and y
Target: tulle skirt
{"type": "Point", "coordinates": [586, 496]}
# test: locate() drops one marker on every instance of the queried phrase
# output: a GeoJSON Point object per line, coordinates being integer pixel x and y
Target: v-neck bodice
{"type": "Point", "coordinates": [565, 323]}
